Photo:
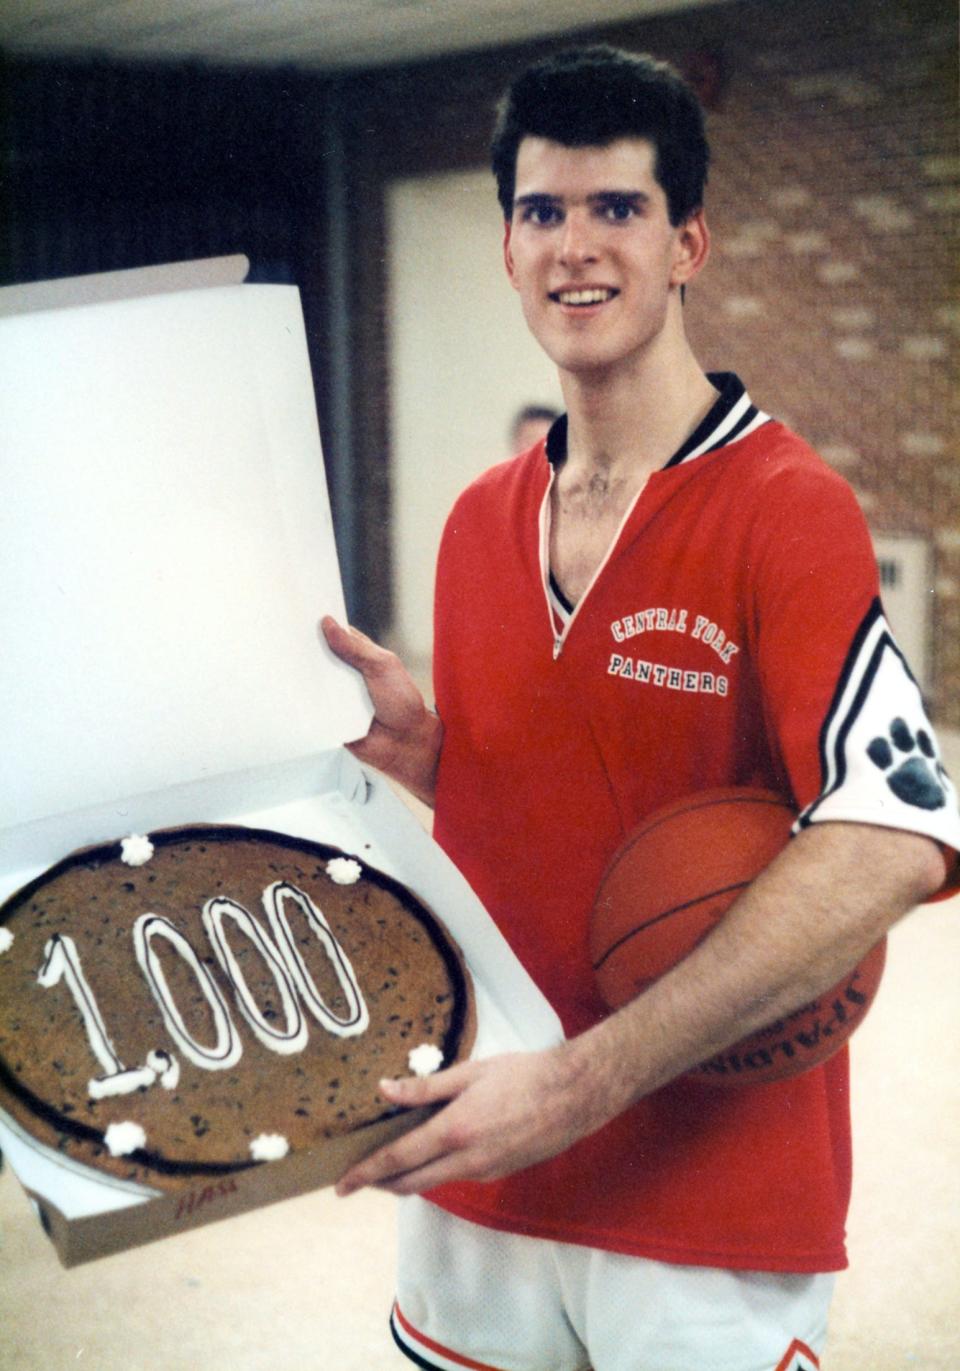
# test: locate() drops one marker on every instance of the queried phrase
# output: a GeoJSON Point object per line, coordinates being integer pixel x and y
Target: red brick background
{"type": "Point", "coordinates": [833, 291]}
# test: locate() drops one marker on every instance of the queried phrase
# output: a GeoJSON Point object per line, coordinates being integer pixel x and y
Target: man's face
{"type": "Point", "coordinates": [592, 253]}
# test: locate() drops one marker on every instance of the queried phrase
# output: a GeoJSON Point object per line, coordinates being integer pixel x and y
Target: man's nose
{"type": "Point", "coordinates": [577, 238]}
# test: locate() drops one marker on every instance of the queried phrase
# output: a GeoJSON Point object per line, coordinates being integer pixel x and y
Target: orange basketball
{"type": "Point", "coordinates": [671, 881]}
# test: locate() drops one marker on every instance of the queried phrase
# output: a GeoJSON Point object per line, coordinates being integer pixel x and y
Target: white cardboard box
{"type": "Point", "coordinates": [166, 549]}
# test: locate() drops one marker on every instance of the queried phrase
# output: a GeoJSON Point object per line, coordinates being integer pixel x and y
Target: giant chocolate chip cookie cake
{"type": "Point", "coordinates": [211, 997]}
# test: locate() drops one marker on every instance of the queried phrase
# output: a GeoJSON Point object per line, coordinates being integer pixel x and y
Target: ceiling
{"type": "Point", "coordinates": [317, 35]}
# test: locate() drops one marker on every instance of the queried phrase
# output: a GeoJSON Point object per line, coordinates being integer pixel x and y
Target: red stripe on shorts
{"type": "Point", "coordinates": [792, 1358]}
{"type": "Point", "coordinates": [438, 1347]}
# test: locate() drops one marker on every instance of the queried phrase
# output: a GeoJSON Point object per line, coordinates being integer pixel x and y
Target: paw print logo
{"type": "Point", "coordinates": [916, 769]}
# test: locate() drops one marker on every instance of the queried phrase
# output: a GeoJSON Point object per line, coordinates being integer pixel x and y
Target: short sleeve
{"type": "Point", "coordinates": [848, 715]}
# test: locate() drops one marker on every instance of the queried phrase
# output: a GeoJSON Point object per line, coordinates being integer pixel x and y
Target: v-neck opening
{"type": "Point", "coordinates": [732, 416]}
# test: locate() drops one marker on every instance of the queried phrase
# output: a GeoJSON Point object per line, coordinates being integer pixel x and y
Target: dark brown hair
{"type": "Point", "coordinates": [588, 97]}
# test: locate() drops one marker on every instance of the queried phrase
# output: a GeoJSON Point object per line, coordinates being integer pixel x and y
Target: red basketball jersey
{"type": "Point", "coordinates": [732, 636]}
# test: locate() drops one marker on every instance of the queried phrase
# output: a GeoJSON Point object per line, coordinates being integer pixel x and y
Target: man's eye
{"type": "Point", "coordinates": [619, 211]}
{"type": "Point", "coordinates": [541, 214]}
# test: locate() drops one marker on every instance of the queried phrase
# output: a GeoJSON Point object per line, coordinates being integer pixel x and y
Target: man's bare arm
{"type": "Point", "coordinates": [405, 736]}
{"type": "Point", "coordinates": [811, 916]}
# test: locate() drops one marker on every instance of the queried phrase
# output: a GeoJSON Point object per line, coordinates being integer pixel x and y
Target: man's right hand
{"type": "Point", "coordinates": [405, 737]}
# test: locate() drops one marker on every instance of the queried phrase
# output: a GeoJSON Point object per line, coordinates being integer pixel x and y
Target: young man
{"type": "Point", "coordinates": [587, 1207]}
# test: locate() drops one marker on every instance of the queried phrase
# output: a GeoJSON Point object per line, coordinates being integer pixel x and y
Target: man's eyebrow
{"type": "Point", "coordinates": [538, 198]}
{"type": "Point", "coordinates": [634, 197]}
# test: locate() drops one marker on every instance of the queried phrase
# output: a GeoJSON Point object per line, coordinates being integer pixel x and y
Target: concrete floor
{"type": "Point", "coordinates": [306, 1284]}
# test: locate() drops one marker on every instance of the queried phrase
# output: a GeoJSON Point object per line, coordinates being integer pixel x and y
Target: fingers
{"type": "Point", "coordinates": [442, 1169]}
{"type": "Point", "coordinates": [375, 663]}
{"type": "Point", "coordinates": [500, 1115]}
{"type": "Point", "coordinates": [394, 1167]}
{"type": "Point", "coordinates": [414, 1092]}
{"type": "Point", "coordinates": [347, 643]}
{"type": "Point", "coordinates": [409, 1164]}
{"type": "Point", "coordinates": [331, 631]}
{"type": "Point", "coordinates": [396, 1164]}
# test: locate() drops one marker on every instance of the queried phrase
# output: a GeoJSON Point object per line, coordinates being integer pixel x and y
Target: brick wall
{"type": "Point", "coordinates": [834, 203]}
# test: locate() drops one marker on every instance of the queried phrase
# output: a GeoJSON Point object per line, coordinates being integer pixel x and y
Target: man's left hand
{"type": "Point", "coordinates": [500, 1115]}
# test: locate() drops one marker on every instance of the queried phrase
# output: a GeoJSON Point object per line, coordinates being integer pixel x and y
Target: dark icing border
{"type": "Point", "coordinates": [205, 833]}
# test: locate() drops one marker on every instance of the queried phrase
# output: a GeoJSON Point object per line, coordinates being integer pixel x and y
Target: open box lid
{"type": "Point", "coordinates": [166, 549]}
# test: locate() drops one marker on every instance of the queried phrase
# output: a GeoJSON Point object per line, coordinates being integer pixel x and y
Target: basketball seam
{"type": "Point", "coordinates": [675, 909]}
{"type": "Point", "coordinates": [774, 802]}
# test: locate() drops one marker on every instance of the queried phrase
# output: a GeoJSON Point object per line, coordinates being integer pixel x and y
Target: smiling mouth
{"type": "Point", "coordinates": [598, 295]}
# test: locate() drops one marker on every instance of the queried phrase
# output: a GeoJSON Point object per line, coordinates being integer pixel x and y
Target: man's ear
{"type": "Point", "coordinates": [508, 254]}
{"type": "Point", "coordinates": [692, 249]}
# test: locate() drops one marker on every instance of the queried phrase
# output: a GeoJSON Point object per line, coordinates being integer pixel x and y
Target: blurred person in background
{"type": "Point", "coordinates": [530, 424]}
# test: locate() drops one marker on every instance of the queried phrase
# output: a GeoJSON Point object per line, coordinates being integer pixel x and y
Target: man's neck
{"type": "Point", "coordinates": [627, 425]}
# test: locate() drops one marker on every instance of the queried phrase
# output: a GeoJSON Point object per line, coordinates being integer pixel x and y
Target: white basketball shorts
{"type": "Point", "coordinates": [470, 1298]}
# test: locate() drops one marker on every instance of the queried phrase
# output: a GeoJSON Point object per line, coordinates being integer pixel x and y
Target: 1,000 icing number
{"type": "Point", "coordinates": [279, 952]}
